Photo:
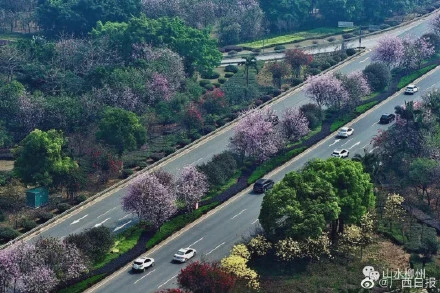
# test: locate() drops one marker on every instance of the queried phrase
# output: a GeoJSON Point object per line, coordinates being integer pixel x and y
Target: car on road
{"type": "Point", "coordinates": [142, 263]}
{"type": "Point", "coordinates": [345, 132]}
{"type": "Point", "coordinates": [184, 254]}
{"type": "Point", "coordinates": [340, 153]}
{"type": "Point", "coordinates": [262, 185]}
{"type": "Point", "coordinates": [387, 118]}
{"type": "Point", "coordinates": [411, 89]}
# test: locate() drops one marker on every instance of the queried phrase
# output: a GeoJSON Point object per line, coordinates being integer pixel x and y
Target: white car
{"type": "Point", "coordinates": [184, 254]}
{"type": "Point", "coordinates": [411, 89]}
{"type": "Point", "coordinates": [340, 153]}
{"type": "Point", "coordinates": [345, 132]}
{"type": "Point", "coordinates": [142, 263]}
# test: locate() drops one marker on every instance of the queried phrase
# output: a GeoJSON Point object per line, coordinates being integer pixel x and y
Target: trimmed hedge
{"type": "Point", "coordinates": [229, 74]}
{"type": "Point", "coordinates": [279, 48]}
{"type": "Point", "coordinates": [231, 68]}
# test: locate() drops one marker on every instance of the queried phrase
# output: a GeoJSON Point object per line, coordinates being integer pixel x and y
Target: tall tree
{"type": "Point", "coordinates": [297, 59]}
{"type": "Point", "coordinates": [326, 90]}
{"type": "Point", "coordinates": [40, 158]}
{"type": "Point", "coordinates": [279, 70]}
{"type": "Point", "coordinates": [191, 186]}
{"type": "Point", "coordinates": [389, 50]}
{"type": "Point", "coordinates": [249, 62]}
{"type": "Point", "coordinates": [255, 136]}
{"type": "Point", "coordinates": [294, 124]}
{"type": "Point", "coordinates": [121, 129]}
{"type": "Point", "coordinates": [150, 200]}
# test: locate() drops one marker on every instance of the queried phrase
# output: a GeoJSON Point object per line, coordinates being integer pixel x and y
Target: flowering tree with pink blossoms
{"type": "Point", "coordinates": [159, 88]}
{"type": "Point", "coordinates": [294, 124]}
{"type": "Point", "coordinates": [150, 200]}
{"type": "Point", "coordinates": [356, 85]}
{"type": "Point", "coordinates": [9, 269]}
{"type": "Point", "coordinates": [191, 186]}
{"type": "Point", "coordinates": [326, 90]}
{"type": "Point", "coordinates": [255, 136]}
{"type": "Point", "coordinates": [389, 50]}
{"type": "Point", "coordinates": [415, 51]}
{"type": "Point", "coordinates": [435, 24]}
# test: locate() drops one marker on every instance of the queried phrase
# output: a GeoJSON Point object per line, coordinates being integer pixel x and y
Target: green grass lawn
{"type": "Point", "coordinates": [407, 79]}
{"type": "Point", "coordinates": [83, 285]}
{"type": "Point", "coordinates": [295, 37]}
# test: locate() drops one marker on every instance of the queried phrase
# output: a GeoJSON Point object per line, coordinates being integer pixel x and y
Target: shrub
{"type": "Point", "coordinates": [222, 80]}
{"type": "Point", "coordinates": [204, 82]}
{"type": "Point", "coordinates": [208, 128]}
{"type": "Point", "coordinates": [266, 98]}
{"type": "Point", "coordinates": [231, 68]}
{"type": "Point", "coordinates": [294, 81]}
{"type": "Point", "coordinates": [80, 198]}
{"type": "Point", "coordinates": [169, 150]}
{"type": "Point", "coordinates": [343, 56]}
{"type": "Point", "coordinates": [337, 58]}
{"type": "Point", "coordinates": [384, 26]}
{"type": "Point", "coordinates": [232, 53]}
{"type": "Point", "coordinates": [210, 75]}
{"type": "Point", "coordinates": [44, 216]}
{"type": "Point", "coordinates": [62, 207]}
{"type": "Point", "coordinates": [325, 65]}
{"type": "Point", "coordinates": [157, 156]}
{"type": "Point", "coordinates": [314, 64]}
{"type": "Point", "coordinates": [378, 76]}
{"type": "Point", "coordinates": [209, 87]}
{"type": "Point", "coordinates": [350, 51]}
{"type": "Point", "coordinates": [348, 36]}
{"type": "Point", "coordinates": [313, 71]}
{"type": "Point", "coordinates": [195, 135]}
{"type": "Point", "coordinates": [7, 234]}
{"type": "Point", "coordinates": [219, 169]}
{"type": "Point", "coordinates": [279, 48]}
{"type": "Point", "coordinates": [313, 114]}
{"type": "Point", "coordinates": [276, 92]}
{"type": "Point", "coordinates": [142, 165]}
{"type": "Point", "coordinates": [331, 39]}
{"type": "Point", "coordinates": [229, 74]}
{"type": "Point", "coordinates": [2, 216]}
{"type": "Point", "coordinates": [28, 224]}
{"type": "Point", "coordinates": [332, 61]}
{"type": "Point", "coordinates": [230, 48]}
{"type": "Point", "coordinates": [256, 50]}
{"type": "Point", "coordinates": [315, 42]}
{"type": "Point", "coordinates": [184, 141]}
{"type": "Point", "coordinates": [216, 84]}
{"type": "Point", "coordinates": [126, 173]}
{"type": "Point", "coordinates": [258, 102]}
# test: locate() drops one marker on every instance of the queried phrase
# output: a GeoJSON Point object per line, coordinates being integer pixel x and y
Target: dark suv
{"type": "Point", "coordinates": [387, 118]}
{"type": "Point", "coordinates": [262, 185]}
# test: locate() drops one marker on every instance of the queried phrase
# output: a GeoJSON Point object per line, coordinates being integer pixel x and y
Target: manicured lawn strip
{"type": "Point", "coordinates": [178, 223]}
{"type": "Point", "coordinates": [299, 36]}
{"type": "Point", "coordinates": [273, 163]}
{"type": "Point", "coordinates": [365, 107]}
{"type": "Point", "coordinates": [83, 285]}
{"type": "Point", "coordinates": [227, 185]}
{"type": "Point", "coordinates": [407, 79]}
{"type": "Point", "coordinates": [309, 135]}
{"type": "Point", "coordinates": [124, 242]}
{"type": "Point", "coordinates": [344, 119]}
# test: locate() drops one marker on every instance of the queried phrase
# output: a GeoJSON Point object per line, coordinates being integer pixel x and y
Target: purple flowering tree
{"type": "Point", "coordinates": [356, 85]}
{"type": "Point", "coordinates": [390, 50]}
{"type": "Point", "coordinates": [435, 24]}
{"type": "Point", "coordinates": [326, 90]}
{"type": "Point", "coordinates": [191, 186]}
{"type": "Point", "coordinates": [294, 124]}
{"type": "Point", "coordinates": [150, 200]}
{"type": "Point", "coordinates": [415, 51]}
{"type": "Point", "coordinates": [9, 269]}
{"type": "Point", "coordinates": [255, 136]}
{"type": "Point", "coordinates": [159, 88]}
{"type": "Point", "coordinates": [39, 279]}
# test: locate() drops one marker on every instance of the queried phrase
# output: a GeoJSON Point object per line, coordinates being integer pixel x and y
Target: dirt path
{"type": "Point", "coordinates": [6, 165]}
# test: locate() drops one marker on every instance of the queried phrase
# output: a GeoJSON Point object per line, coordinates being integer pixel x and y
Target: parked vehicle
{"type": "Point", "coordinates": [184, 254]}
{"type": "Point", "coordinates": [345, 132]}
{"type": "Point", "coordinates": [340, 153]}
{"type": "Point", "coordinates": [411, 89]}
{"type": "Point", "coordinates": [142, 263]}
{"type": "Point", "coordinates": [263, 185]}
{"type": "Point", "coordinates": [387, 118]}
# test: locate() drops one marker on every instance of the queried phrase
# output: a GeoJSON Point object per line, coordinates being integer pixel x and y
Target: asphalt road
{"type": "Point", "coordinates": [214, 236]}
{"type": "Point", "coordinates": [107, 210]}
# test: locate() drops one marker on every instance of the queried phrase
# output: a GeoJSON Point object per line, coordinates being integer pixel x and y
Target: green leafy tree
{"type": "Point", "coordinates": [40, 158]}
{"type": "Point", "coordinates": [198, 49]}
{"type": "Point", "coordinates": [378, 76]}
{"type": "Point", "coordinates": [423, 173]}
{"type": "Point", "coordinates": [121, 129]}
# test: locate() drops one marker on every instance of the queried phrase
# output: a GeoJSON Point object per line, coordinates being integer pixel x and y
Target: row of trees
{"type": "Point", "coordinates": [256, 136]}
{"type": "Point", "coordinates": [41, 266]}
{"type": "Point", "coordinates": [153, 197]}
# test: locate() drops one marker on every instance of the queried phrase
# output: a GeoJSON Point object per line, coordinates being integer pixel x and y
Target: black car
{"type": "Point", "coordinates": [262, 185]}
{"type": "Point", "coordinates": [387, 118]}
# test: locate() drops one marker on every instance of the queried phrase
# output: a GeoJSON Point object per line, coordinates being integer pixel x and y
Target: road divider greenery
{"type": "Point", "coordinates": [407, 79]}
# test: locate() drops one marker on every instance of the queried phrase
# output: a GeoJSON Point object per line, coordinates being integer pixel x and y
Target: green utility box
{"type": "Point", "coordinates": [37, 197]}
